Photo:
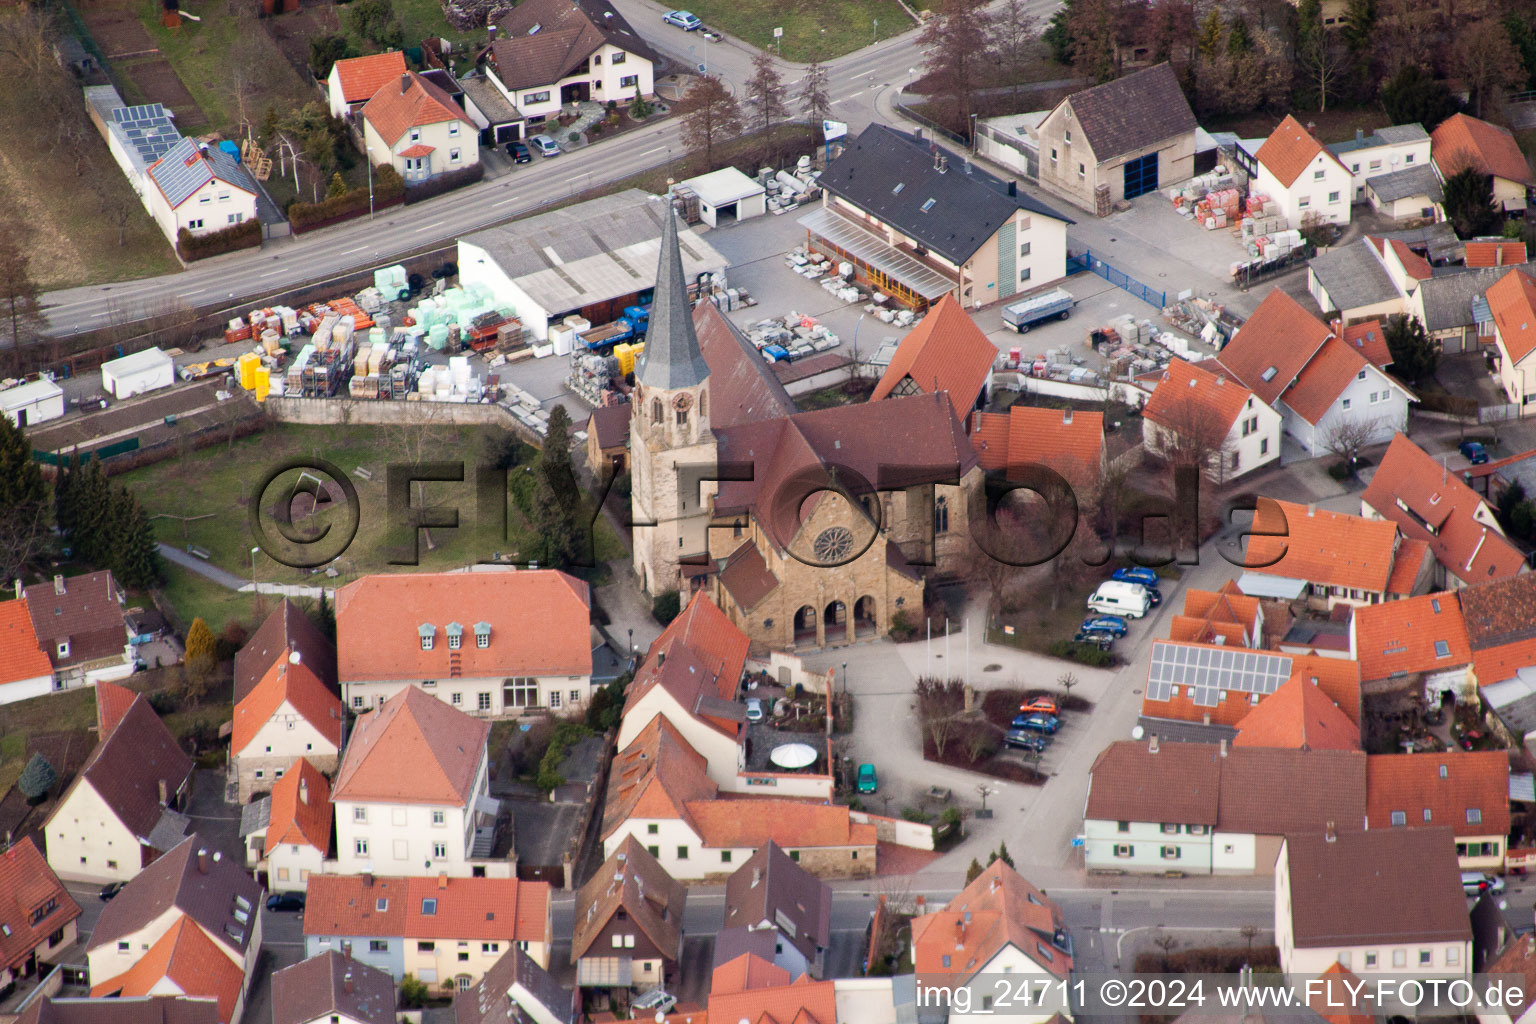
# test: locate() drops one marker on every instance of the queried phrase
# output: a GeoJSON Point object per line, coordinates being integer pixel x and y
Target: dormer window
{"type": "Point", "coordinates": [63, 648]}
{"type": "Point", "coordinates": [427, 632]}
{"type": "Point", "coordinates": [455, 635]}
{"type": "Point", "coordinates": [428, 907]}
{"type": "Point", "coordinates": [382, 904]}
{"type": "Point", "coordinates": [482, 635]}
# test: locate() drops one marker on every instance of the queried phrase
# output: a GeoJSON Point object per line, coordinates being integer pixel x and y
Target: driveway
{"type": "Point", "coordinates": [217, 822]}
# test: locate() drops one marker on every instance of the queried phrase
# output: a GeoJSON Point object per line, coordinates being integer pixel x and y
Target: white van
{"type": "Point", "coordinates": [1118, 598]}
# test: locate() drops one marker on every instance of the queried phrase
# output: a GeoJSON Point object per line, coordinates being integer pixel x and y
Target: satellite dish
{"type": "Point", "coordinates": [1137, 733]}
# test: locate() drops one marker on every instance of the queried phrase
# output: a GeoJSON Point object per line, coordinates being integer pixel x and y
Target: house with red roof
{"type": "Point", "coordinates": [486, 643]}
{"type": "Point", "coordinates": [1066, 441]}
{"type": "Point", "coordinates": [25, 671]}
{"type": "Point", "coordinates": [1430, 503]}
{"type": "Point", "coordinates": [1299, 715]}
{"type": "Point", "coordinates": [1202, 411]}
{"type": "Point", "coordinates": [1310, 184]}
{"type": "Point", "coordinates": [1225, 616]}
{"type": "Point", "coordinates": [1423, 637]}
{"type": "Point", "coordinates": [1463, 141]}
{"type": "Point", "coordinates": [1368, 337]}
{"type": "Point", "coordinates": [288, 832]}
{"type": "Point", "coordinates": [749, 988]}
{"type": "Point", "coordinates": [81, 626]}
{"type": "Point", "coordinates": [413, 789]}
{"type": "Point", "coordinates": [1297, 552]}
{"type": "Point", "coordinates": [628, 929]}
{"type": "Point", "coordinates": [353, 81]}
{"type": "Point", "coordinates": [1329, 395]}
{"type": "Point", "coordinates": [1512, 303]}
{"type": "Point", "coordinates": [1494, 252]}
{"type": "Point", "coordinates": [415, 127]}
{"type": "Point", "coordinates": [1467, 790]}
{"type": "Point", "coordinates": [946, 352]}
{"type": "Point", "coordinates": [37, 914]}
{"type": "Point", "coordinates": [290, 714]}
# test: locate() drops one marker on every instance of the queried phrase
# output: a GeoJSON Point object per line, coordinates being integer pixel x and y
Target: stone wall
{"type": "Point", "coordinates": [390, 413]}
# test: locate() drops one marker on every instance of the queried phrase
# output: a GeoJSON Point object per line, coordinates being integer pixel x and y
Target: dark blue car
{"type": "Point", "coordinates": [1019, 739]}
{"type": "Point", "coordinates": [1036, 723]}
{"type": "Point", "coordinates": [1475, 452]}
{"type": "Point", "coordinates": [1111, 624]}
{"type": "Point", "coordinates": [1146, 577]}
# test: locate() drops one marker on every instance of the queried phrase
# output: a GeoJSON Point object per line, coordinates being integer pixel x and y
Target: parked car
{"type": "Point", "coordinates": [1146, 577]}
{"type": "Point", "coordinates": [1475, 883]}
{"type": "Point", "coordinates": [545, 145]}
{"type": "Point", "coordinates": [1107, 624]}
{"type": "Point", "coordinates": [1122, 598]}
{"type": "Point", "coordinates": [868, 783]}
{"type": "Point", "coordinates": [1036, 723]}
{"type": "Point", "coordinates": [683, 19]}
{"type": "Point", "coordinates": [754, 709]}
{"type": "Point", "coordinates": [1043, 704]}
{"type": "Point", "coordinates": [285, 901]}
{"type": "Point", "coordinates": [519, 152]}
{"type": "Point", "coordinates": [1096, 638]}
{"type": "Point", "coordinates": [110, 891]}
{"type": "Point", "coordinates": [1021, 740]}
{"type": "Point", "coordinates": [1475, 452]}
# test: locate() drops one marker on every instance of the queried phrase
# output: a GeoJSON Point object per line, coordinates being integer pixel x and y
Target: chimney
{"type": "Point", "coordinates": [20, 589]}
{"type": "Point", "coordinates": [58, 584]}
{"type": "Point", "coordinates": [1207, 719]}
{"type": "Point", "coordinates": [1330, 834]}
{"type": "Point", "coordinates": [367, 880]}
{"type": "Point", "coordinates": [304, 791]}
{"type": "Point", "coordinates": [1152, 747]}
{"type": "Point", "coordinates": [1223, 746]}
{"type": "Point", "coordinates": [1359, 135]}
{"type": "Point", "coordinates": [202, 860]}
{"type": "Point", "coordinates": [442, 881]}
{"type": "Point", "coordinates": [922, 903]}
{"type": "Point", "coordinates": [1311, 511]}
{"type": "Point", "coordinates": [490, 32]}
{"type": "Point", "coordinates": [1066, 418]}
{"type": "Point", "coordinates": [943, 165]}
{"type": "Point", "coordinates": [164, 801]}
{"type": "Point", "coordinates": [661, 658]}
{"type": "Point", "coordinates": [346, 980]}
{"type": "Point", "coordinates": [405, 83]}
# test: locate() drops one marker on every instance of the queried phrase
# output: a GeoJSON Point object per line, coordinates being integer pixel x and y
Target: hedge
{"type": "Point", "coordinates": [245, 235]}
{"type": "Point", "coordinates": [446, 182]}
{"type": "Point", "coordinates": [388, 190]}
{"type": "Point", "coordinates": [1456, 405]}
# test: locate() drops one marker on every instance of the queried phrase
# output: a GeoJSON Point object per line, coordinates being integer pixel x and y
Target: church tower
{"type": "Point", "coordinates": [669, 430]}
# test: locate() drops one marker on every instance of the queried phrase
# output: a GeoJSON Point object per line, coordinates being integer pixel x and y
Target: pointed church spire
{"type": "Point", "coordinates": [672, 358]}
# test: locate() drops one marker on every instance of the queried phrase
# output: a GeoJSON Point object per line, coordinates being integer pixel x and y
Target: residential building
{"type": "Point", "coordinates": [37, 914]}
{"type": "Point", "coordinates": [290, 714]}
{"type": "Point", "coordinates": [1368, 337]}
{"type": "Point", "coordinates": [440, 930]}
{"type": "Point", "coordinates": [189, 924]}
{"type": "Point", "coordinates": [79, 624]}
{"type": "Point", "coordinates": [771, 892]}
{"type": "Point", "coordinates": [1430, 503]}
{"type": "Point", "coordinates": [1384, 901]}
{"type": "Point", "coordinates": [290, 838]}
{"type": "Point", "coordinates": [439, 814]}
{"type": "Point", "coordinates": [1512, 304]}
{"type": "Point", "coordinates": [516, 988]}
{"type": "Point", "coordinates": [1066, 441]}
{"type": "Point", "coordinates": [750, 987]}
{"type": "Point", "coordinates": [1116, 141]}
{"type": "Point", "coordinates": [1225, 616]}
{"type": "Point", "coordinates": [1518, 958]}
{"type": "Point", "coordinates": [286, 630]}
{"type": "Point", "coordinates": [1351, 282]}
{"type": "Point", "coordinates": [998, 924]}
{"type": "Point", "coordinates": [332, 988]}
{"type": "Point", "coordinates": [1413, 194]}
{"type": "Point", "coordinates": [198, 188]}
{"type": "Point", "coordinates": [1385, 151]}
{"type": "Point", "coordinates": [1200, 412]}
{"type": "Point", "coordinates": [122, 811]}
{"type": "Point", "coordinates": [608, 440]}
{"type": "Point", "coordinates": [1299, 715]}
{"type": "Point", "coordinates": [25, 670]}
{"type": "Point", "coordinates": [1465, 790]}
{"type": "Point", "coordinates": [1325, 389]}
{"type": "Point", "coordinates": [1207, 808]}
{"type": "Point", "coordinates": [1453, 308]}
{"type": "Point", "coordinates": [1464, 141]}
{"type": "Point", "coordinates": [1308, 183]}
{"type": "Point", "coordinates": [628, 922]}
{"type": "Point", "coordinates": [946, 352]}
{"type": "Point", "coordinates": [415, 127]}
{"type": "Point", "coordinates": [1330, 558]}
{"type": "Point", "coordinates": [1424, 636]}
{"type": "Point", "coordinates": [354, 81]}
{"type": "Point", "coordinates": [548, 53]}
{"type": "Point", "coordinates": [485, 643]}
{"type": "Point", "coordinates": [149, 1010]}
{"type": "Point", "coordinates": [917, 229]}
{"type": "Point", "coordinates": [1494, 252]}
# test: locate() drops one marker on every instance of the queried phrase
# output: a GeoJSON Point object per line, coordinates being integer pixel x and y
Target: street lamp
{"type": "Point", "coordinates": [845, 677]}
{"type": "Point", "coordinates": [973, 133]}
{"type": "Point", "coordinates": [856, 340]}
{"type": "Point", "coordinates": [877, 30]}
{"type": "Point", "coordinates": [631, 643]}
{"type": "Point", "coordinates": [253, 569]}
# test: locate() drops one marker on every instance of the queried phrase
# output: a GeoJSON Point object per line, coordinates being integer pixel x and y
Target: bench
{"type": "Point", "coordinates": [203, 553]}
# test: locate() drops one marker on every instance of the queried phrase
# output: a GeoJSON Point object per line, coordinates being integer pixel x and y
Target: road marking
{"type": "Point", "coordinates": [349, 252]}
{"type": "Point", "coordinates": [854, 96]}
{"type": "Point", "coordinates": [95, 315]}
{"type": "Point", "coordinates": [504, 202]}
{"type": "Point", "coordinates": [425, 227]}
{"type": "Point", "coordinates": [271, 273]}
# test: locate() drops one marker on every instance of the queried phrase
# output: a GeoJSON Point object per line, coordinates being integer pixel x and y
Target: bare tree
{"type": "Point", "coordinates": [956, 42]}
{"type": "Point", "coordinates": [1348, 436]}
{"type": "Point", "coordinates": [1014, 42]}
{"type": "Point", "coordinates": [940, 705]}
{"type": "Point", "coordinates": [1189, 432]}
{"type": "Point", "coordinates": [18, 294]}
{"type": "Point", "coordinates": [815, 101]}
{"type": "Point", "coordinates": [1403, 34]}
{"type": "Point", "coordinates": [710, 114]}
{"type": "Point", "coordinates": [117, 203]}
{"type": "Point", "coordinates": [1321, 64]}
{"type": "Point", "coordinates": [765, 94]}
{"type": "Point", "coordinates": [1486, 60]}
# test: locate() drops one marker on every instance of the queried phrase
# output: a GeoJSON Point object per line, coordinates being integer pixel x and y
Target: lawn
{"type": "Point", "coordinates": [65, 711]}
{"type": "Point", "coordinates": [811, 30]}
{"type": "Point", "coordinates": [194, 596]}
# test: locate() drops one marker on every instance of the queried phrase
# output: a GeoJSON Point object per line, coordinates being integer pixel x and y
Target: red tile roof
{"type": "Point", "coordinates": [1313, 544]}
{"type": "Point", "coordinates": [1193, 396]}
{"type": "Point", "coordinates": [442, 745]}
{"type": "Point", "coordinates": [1270, 349]}
{"type": "Point", "coordinates": [1512, 301]}
{"type": "Point", "coordinates": [396, 109]}
{"type": "Point", "coordinates": [1414, 265]}
{"type": "Point", "coordinates": [1003, 909]}
{"type": "Point", "coordinates": [193, 963]}
{"type": "Point", "coordinates": [656, 776]}
{"type": "Point", "coordinates": [284, 631]}
{"type": "Point", "coordinates": [1494, 252]}
{"type": "Point", "coordinates": [292, 683]}
{"type": "Point", "coordinates": [1464, 141]}
{"type": "Point", "coordinates": [128, 766]}
{"type": "Point", "coordinates": [1069, 441]}
{"type": "Point", "coordinates": [945, 352]}
{"type": "Point", "coordinates": [1446, 788]}
{"type": "Point", "coordinates": [21, 659]}
{"type": "Point", "coordinates": [1413, 560]}
{"type": "Point", "coordinates": [301, 809]}
{"type": "Point", "coordinates": [1333, 998]}
{"type": "Point", "coordinates": [540, 625]}
{"type": "Point", "coordinates": [1213, 609]}
{"type": "Point", "coordinates": [757, 995]}
{"type": "Point", "coordinates": [1428, 503]}
{"type": "Point", "coordinates": [635, 881]}
{"type": "Point", "coordinates": [1339, 679]}
{"type": "Point", "coordinates": [27, 888]}
{"type": "Point", "coordinates": [793, 824]}
{"type": "Point", "coordinates": [1370, 340]}
{"type": "Point", "coordinates": [362, 77]}
{"type": "Point", "coordinates": [112, 703]}
{"type": "Point", "coordinates": [701, 639]}
{"type": "Point", "coordinates": [1496, 664]}
{"type": "Point", "coordinates": [1320, 383]}
{"type": "Point", "coordinates": [466, 909]}
{"type": "Point", "coordinates": [1401, 637]}
{"type": "Point", "coordinates": [420, 149]}
{"type": "Point", "coordinates": [1289, 150]}
{"type": "Point", "coordinates": [1298, 716]}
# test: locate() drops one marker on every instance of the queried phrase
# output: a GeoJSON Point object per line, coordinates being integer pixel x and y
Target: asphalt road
{"type": "Point", "coordinates": [855, 83]}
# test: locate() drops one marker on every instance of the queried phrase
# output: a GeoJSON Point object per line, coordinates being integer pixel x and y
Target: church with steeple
{"type": "Point", "coordinates": [807, 529]}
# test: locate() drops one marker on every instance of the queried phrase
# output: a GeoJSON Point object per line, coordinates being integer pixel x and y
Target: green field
{"type": "Point", "coordinates": [812, 31]}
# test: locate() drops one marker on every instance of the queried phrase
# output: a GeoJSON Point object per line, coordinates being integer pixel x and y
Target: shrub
{"type": "Point", "coordinates": [37, 778]}
{"type": "Point", "coordinates": [245, 235]}
{"type": "Point", "coordinates": [666, 606]}
{"type": "Point", "coordinates": [413, 992]}
{"type": "Point", "coordinates": [446, 182]}
{"type": "Point", "coordinates": [916, 814]}
{"type": "Point", "coordinates": [640, 109]}
{"type": "Point", "coordinates": [388, 190]}
{"type": "Point", "coordinates": [1085, 654]}
{"type": "Point", "coordinates": [565, 734]}
{"type": "Point", "coordinates": [573, 138]}
{"type": "Point", "coordinates": [902, 626]}
{"type": "Point", "coordinates": [1340, 471]}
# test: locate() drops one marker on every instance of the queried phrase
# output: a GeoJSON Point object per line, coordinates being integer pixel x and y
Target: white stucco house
{"type": "Point", "coordinates": [1512, 301]}
{"type": "Point", "coordinates": [417, 129]}
{"type": "Point", "coordinates": [1384, 151]}
{"type": "Point", "coordinates": [1304, 179]}
{"type": "Point", "coordinates": [1201, 404]}
{"type": "Point", "coordinates": [199, 188]}
{"type": "Point", "coordinates": [288, 832]}
{"type": "Point", "coordinates": [353, 81]}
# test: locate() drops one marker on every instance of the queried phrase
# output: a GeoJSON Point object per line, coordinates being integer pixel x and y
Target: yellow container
{"type": "Point", "coordinates": [262, 381]}
{"type": "Point", "coordinates": [246, 368]}
{"type": "Point", "coordinates": [626, 355]}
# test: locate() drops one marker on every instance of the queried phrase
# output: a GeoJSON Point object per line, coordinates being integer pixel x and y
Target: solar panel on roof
{"type": "Point", "coordinates": [1209, 671]}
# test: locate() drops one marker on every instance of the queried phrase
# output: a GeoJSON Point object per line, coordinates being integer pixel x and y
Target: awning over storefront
{"type": "Point", "coordinates": [876, 253]}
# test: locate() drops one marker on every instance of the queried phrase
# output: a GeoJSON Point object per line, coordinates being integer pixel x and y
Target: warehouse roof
{"type": "Point", "coordinates": [591, 252]}
{"type": "Point", "coordinates": [138, 362]}
{"type": "Point", "coordinates": [26, 394]}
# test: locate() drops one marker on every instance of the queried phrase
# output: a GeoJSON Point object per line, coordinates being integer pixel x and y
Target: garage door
{"type": "Point", "coordinates": [1141, 176]}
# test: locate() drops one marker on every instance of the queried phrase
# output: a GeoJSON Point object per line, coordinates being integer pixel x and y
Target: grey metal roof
{"type": "Point", "coordinates": [672, 358]}
{"type": "Point", "coordinates": [170, 830]}
{"type": "Point", "coordinates": [1353, 276]}
{"type": "Point", "coordinates": [875, 251]}
{"type": "Point", "coordinates": [1177, 730]}
{"type": "Point", "coordinates": [147, 130]}
{"type": "Point", "coordinates": [949, 206]}
{"type": "Point", "coordinates": [1394, 135]}
{"type": "Point", "coordinates": [1438, 240]}
{"type": "Point", "coordinates": [1514, 701]}
{"type": "Point", "coordinates": [255, 816]}
{"type": "Point", "coordinates": [187, 167]}
{"type": "Point", "coordinates": [1412, 181]}
{"type": "Point", "coordinates": [1450, 298]}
